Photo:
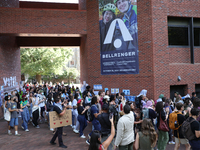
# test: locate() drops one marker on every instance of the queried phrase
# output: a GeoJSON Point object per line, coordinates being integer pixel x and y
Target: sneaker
{"type": "Point", "coordinates": [171, 142]}
{"type": "Point", "coordinates": [76, 131]}
{"type": "Point", "coordinates": [88, 142]}
{"type": "Point", "coordinates": [10, 133]}
{"type": "Point", "coordinates": [51, 129]}
{"type": "Point", "coordinates": [73, 127]}
{"type": "Point", "coordinates": [83, 137]}
{"type": "Point", "coordinates": [27, 130]}
{"type": "Point", "coordinates": [37, 127]}
{"type": "Point", "coordinates": [63, 146]}
{"type": "Point", "coordinates": [22, 127]}
{"type": "Point", "coordinates": [17, 134]}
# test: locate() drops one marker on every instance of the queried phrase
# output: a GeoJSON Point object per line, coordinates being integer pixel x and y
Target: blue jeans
{"type": "Point", "coordinates": [13, 122]}
{"type": "Point", "coordinates": [25, 118]}
{"type": "Point", "coordinates": [195, 144]}
{"type": "Point", "coordinates": [73, 118]}
{"type": "Point", "coordinates": [83, 123]}
{"type": "Point", "coordinates": [96, 124]}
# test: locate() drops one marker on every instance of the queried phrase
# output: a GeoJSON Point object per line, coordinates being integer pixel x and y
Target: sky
{"type": "Point", "coordinates": [54, 1]}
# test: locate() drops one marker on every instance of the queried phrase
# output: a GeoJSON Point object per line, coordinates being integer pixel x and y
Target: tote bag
{"type": "Point", "coordinates": [163, 125]}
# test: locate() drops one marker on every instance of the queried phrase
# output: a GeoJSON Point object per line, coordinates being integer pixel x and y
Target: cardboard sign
{"type": "Point", "coordinates": [60, 121]}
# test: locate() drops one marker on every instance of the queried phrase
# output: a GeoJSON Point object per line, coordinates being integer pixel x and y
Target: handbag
{"type": "Point", "coordinates": [7, 115]}
{"type": "Point", "coordinates": [163, 125]}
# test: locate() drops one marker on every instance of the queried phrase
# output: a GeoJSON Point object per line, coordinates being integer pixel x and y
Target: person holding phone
{"type": "Point", "coordinates": [96, 140]}
{"type": "Point", "coordinates": [104, 119]}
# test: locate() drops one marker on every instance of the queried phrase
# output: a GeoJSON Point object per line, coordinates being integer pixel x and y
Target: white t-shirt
{"type": "Point", "coordinates": [40, 99]}
{"type": "Point", "coordinates": [74, 103]}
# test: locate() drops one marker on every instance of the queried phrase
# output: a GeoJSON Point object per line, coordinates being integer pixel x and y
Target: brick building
{"type": "Point", "coordinates": [168, 42]}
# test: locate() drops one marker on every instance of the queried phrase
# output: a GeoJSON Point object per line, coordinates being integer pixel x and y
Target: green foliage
{"type": "Point", "coordinates": [44, 61]}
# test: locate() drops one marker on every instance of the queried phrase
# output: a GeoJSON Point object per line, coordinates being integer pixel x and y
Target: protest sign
{"type": "Point", "coordinates": [60, 121]}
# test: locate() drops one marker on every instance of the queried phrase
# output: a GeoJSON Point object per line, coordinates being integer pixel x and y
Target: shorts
{"type": "Point", "coordinates": [14, 122]}
{"type": "Point", "coordinates": [182, 141]}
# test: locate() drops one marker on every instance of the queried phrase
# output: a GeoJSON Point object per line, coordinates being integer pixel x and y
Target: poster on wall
{"type": "Point", "coordinates": [118, 37]}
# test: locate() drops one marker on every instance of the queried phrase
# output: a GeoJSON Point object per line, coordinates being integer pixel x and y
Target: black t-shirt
{"type": "Point", "coordinates": [57, 109]}
{"type": "Point", "coordinates": [80, 110]}
{"type": "Point", "coordinates": [152, 115]}
{"type": "Point", "coordinates": [195, 126]}
{"type": "Point", "coordinates": [180, 119]}
{"type": "Point", "coordinates": [105, 123]}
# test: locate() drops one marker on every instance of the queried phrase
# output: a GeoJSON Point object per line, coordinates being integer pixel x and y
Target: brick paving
{"type": "Point", "coordinates": [39, 139]}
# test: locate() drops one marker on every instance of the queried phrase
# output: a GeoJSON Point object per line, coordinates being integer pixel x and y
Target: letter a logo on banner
{"type": "Point", "coordinates": [125, 33]}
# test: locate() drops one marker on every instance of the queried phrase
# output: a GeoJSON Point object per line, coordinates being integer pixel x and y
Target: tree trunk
{"type": "Point", "coordinates": [38, 78]}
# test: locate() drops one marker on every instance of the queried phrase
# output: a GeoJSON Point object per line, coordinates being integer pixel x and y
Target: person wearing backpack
{"type": "Point", "coordinates": [148, 111]}
{"type": "Point", "coordinates": [94, 112]}
{"type": "Point", "coordinates": [176, 126]}
{"type": "Point", "coordinates": [191, 129]}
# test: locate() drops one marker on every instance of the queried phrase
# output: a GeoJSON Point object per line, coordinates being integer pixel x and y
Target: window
{"type": "Point", "coordinates": [178, 31]}
{"type": "Point", "coordinates": [178, 36]}
{"type": "Point", "coordinates": [196, 31]}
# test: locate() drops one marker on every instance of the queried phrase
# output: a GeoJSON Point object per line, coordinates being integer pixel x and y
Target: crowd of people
{"type": "Point", "coordinates": [144, 124]}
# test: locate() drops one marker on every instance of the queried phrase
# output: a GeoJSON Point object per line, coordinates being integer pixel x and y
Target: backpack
{"type": "Point", "coordinates": [173, 121]}
{"type": "Point", "coordinates": [89, 114]}
{"type": "Point", "coordinates": [145, 112]}
{"type": "Point", "coordinates": [186, 129]}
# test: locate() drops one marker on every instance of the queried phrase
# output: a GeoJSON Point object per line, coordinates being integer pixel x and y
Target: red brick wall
{"type": "Point", "coordinates": [41, 21]}
{"type": "Point", "coordinates": [179, 55]}
{"type": "Point", "coordinates": [9, 59]}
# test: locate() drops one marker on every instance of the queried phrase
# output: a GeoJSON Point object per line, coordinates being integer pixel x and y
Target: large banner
{"type": "Point", "coordinates": [118, 37]}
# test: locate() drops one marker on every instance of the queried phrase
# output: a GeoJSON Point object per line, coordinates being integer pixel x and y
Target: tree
{"type": "Point", "coordinates": [44, 61]}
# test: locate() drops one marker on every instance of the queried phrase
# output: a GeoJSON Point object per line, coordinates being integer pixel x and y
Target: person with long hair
{"type": "Point", "coordinates": [147, 137]}
{"type": "Point", "coordinates": [81, 117]}
{"type": "Point", "coordinates": [25, 114]}
{"type": "Point", "coordinates": [95, 141]}
{"type": "Point", "coordinates": [163, 136]}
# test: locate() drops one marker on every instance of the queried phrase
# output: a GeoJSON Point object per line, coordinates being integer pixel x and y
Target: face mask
{"type": "Point", "coordinates": [15, 92]}
{"type": "Point", "coordinates": [52, 98]}
{"type": "Point", "coordinates": [6, 94]}
{"type": "Point", "coordinates": [35, 95]}
{"type": "Point", "coordinates": [42, 93]}
{"type": "Point", "coordinates": [8, 97]}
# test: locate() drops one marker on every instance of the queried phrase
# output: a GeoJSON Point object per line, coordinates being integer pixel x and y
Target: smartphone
{"type": "Point", "coordinates": [111, 115]}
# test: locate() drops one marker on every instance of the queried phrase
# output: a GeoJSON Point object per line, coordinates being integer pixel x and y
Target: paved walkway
{"type": "Point", "coordinates": [39, 139]}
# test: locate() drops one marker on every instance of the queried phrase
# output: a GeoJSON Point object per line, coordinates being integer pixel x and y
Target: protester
{"type": "Point", "coordinates": [81, 117]}
{"type": "Point", "coordinates": [35, 111]}
{"type": "Point", "coordinates": [59, 131]}
{"type": "Point", "coordinates": [179, 138]}
{"type": "Point", "coordinates": [195, 127]}
{"type": "Point", "coordinates": [12, 107]}
{"type": "Point", "coordinates": [95, 142]}
{"type": "Point", "coordinates": [125, 133]}
{"type": "Point", "coordinates": [163, 135]}
{"type": "Point", "coordinates": [75, 113]}
{"type": "Point", "coordinates": [105, 125]}
{"type": "Point", "coordinates": [25, 114]}
{"type": "Point", "coordinates": [94, 115]}
{"type": "Point", "coordinates": [147, 138]}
